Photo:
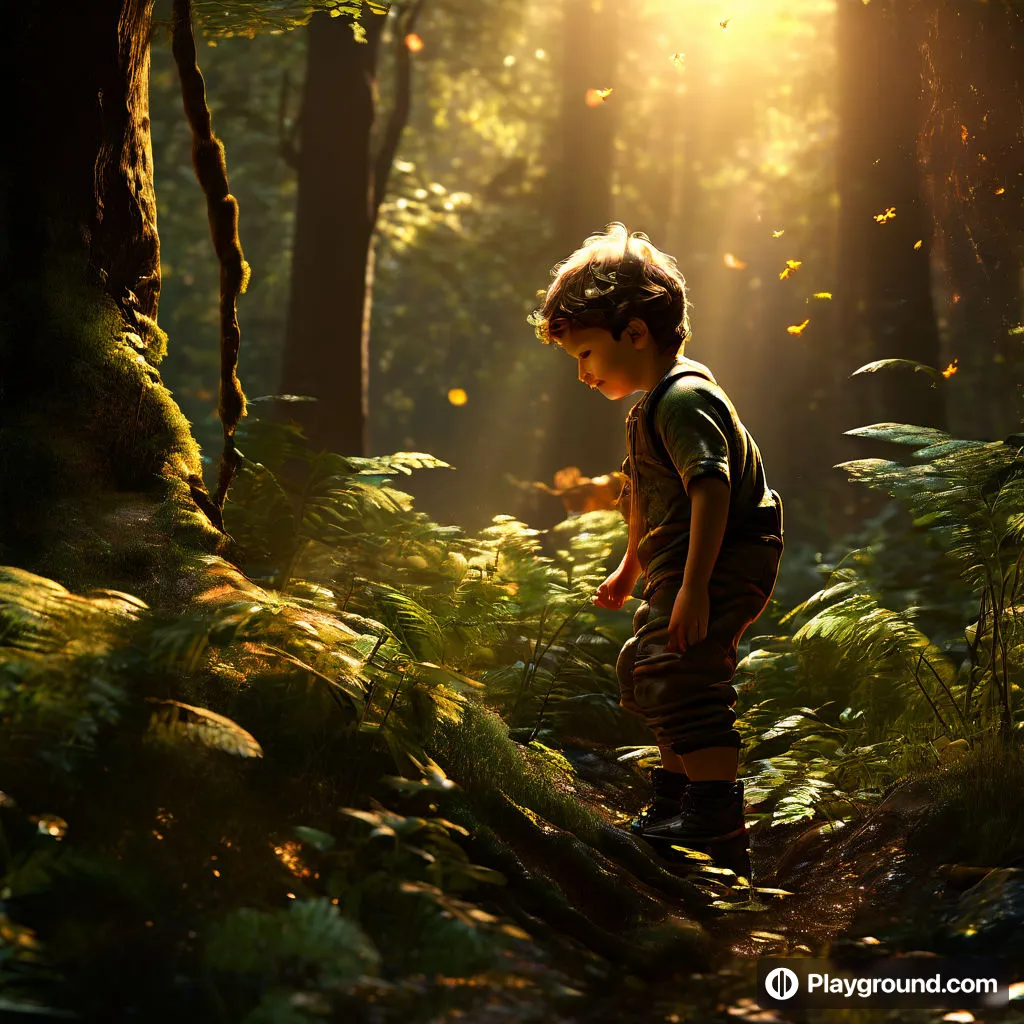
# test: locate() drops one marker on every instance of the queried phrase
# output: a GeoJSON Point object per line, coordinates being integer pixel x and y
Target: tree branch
{"type": "Point", "coordinates": [399, 112]}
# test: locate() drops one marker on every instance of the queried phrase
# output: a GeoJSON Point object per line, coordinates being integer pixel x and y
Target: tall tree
{"type": "Point", "coordinates": [972, 149]}
{"type": "Point", "coordinates": [885, 303]}
{"type": "Point", "coordinates": [343, 160]}
{"type": "Point", "coordinates": [91, 443]}
{"type": "Point", "coordinates": [583, 429]}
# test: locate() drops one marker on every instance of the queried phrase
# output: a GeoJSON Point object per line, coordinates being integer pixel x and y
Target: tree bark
{"type": "Point", "coordinates": [327, 337]}
{"type": "Point", "coordinates": [95, 457]}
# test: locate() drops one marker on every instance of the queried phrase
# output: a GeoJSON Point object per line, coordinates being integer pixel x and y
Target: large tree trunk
{"type": "Point", "coordinates": [327, 338]}
{"type": "Point", "coordinates": [96, 461]}
{"type": "Point", "coordinates": [584, 429]}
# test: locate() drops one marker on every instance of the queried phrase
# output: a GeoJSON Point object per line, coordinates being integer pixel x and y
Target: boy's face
{"type": "Point", "coordinates": [615, 368]}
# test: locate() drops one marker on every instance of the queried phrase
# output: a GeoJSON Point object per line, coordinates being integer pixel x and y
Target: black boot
{"type": "Point", "coordinates": [710, 820]}
{"type": "Point", "coordinates": [668, 790]}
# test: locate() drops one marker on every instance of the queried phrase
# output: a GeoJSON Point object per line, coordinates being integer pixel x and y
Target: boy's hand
{"type": "Point", "coordinates": [688, 623]}
{"type": "Point", "coordinates": [614, 591]}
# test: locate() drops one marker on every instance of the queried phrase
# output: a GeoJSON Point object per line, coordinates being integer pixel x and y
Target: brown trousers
{"type": "Point", "coordinates": [686, 697]}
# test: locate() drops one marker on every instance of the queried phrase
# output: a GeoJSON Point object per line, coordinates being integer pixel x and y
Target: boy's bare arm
{"type": "Point", "coordinates": [709, 499]}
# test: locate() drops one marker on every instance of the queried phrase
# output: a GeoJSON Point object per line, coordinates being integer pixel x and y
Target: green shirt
{"type": "Point", "coordinates": [700, 434]}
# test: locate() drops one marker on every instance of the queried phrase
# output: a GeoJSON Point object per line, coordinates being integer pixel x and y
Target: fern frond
{"type": "Point", "coordinates": [173, 722]}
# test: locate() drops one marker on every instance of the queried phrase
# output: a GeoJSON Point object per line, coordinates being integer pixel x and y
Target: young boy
{"type": "Point", "coordinates": [705, 530]}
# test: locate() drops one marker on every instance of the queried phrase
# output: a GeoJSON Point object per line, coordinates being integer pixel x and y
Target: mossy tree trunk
{"type": "Point", "coordinates": [99, 470]}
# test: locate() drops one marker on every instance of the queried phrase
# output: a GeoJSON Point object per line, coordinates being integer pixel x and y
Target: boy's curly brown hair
{"type": "Point", "coordinates": [611, 279]}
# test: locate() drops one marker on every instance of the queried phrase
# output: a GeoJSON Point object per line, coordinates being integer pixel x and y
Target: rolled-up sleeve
{"type": "Point", "coordinates": [692, 432]}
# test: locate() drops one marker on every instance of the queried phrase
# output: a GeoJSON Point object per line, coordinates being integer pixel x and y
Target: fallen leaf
{"type": "Point", "coordinates": [1000, 191]}
{"type": "Point", "coordinates": [919, 243]}
{"type": "Point", "coordinates": [950, 370]}
{"type": "Point", "coordinates": [457, 396]}
{"type": "Point", "coordinates": [963, 134]}
{"type": "Point", "coordinates": [823, 295]}
{"type": "Point", "coordinates": [798, 328]}
{"type": "Point", "coordinates": [732, 263]}
{"type": "Point", "coordinates": [725, 24]}
{"type": "Point", "coordinates": [791, 266]}
{"type": "Point", "coordinates": [887, 215]}
{"type": "Point", "coordinates": [678, 59]}
{"type": "Point", "coordinates": [413, 43]}
{"type": "Point", "coordinates": [779, 233]}
{"type": "Point", "coordinates": [595, 97]}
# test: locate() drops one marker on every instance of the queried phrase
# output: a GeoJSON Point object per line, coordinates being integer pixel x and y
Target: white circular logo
{"type": "Point", "coordinates": [782, 983]}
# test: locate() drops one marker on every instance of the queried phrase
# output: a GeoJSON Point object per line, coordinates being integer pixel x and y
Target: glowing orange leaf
{"type": "Point", "coordinates": [725, 24]}
{"type": "Point", "coordinates": [798, 328]}
{"type": "Point", "coordinates": [1000, 191]}
{"type": "Point", "coordinates": [950, 370]}
{"type": "Point", "coordinates": [919, 243]}
{"type": "Point", "coordinates": [888, 214]}
{"type": "Point", "coordinates": [457, 396]}
{"type": "Point", "coordinates": [595, 97]}
{"type": "Point", "coordinates": [963, 134]}
{"type": "Point", "coordinates": [791, 266]}
{"type": "Point", "coordinates": [779, 233]}
{"type": "Point", "coordinates": [956, 298]}
{"type": "Point", "coordinates": [823, 295]}
{"type": "Point", "coordinates": [413, 43]}
{"type": "Point", "coordinates": [734, 264]}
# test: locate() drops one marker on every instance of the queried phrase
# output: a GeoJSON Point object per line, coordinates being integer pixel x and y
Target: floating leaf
{"type": "Point", "coordinates": [678, 59]}
{"type": "Point", "coordinates": [779, 233]}
{"type": "Point", "coordinates": [950, 370]}
{"type": "Point", "coordinates": [732, 263]}
{"type": "Point", "coordinates": [964, 134]}
{"type": "Point", "coordinates": [595, 97]}
{"type": "Point", "coordinates": [798, 328]}
{"type": "Point", "coordinates": [1000, 190]}
{"type": "Point", "coordinates": [880, 364]}
{"type": "Point", "coordinates": [791, 267]}
{"type": "Point", "coordinates": [725, 24]}
{"type": "Point", "coordinates": [823, 295]}
{"type": "Point", "coordinates": [887, 215]}
{"type": "Point", "coordinates": [919, 243]}
{"type": "Point", "coordinates": [457, 396]}
{"type": "Point", "coordinates": [413, 43]}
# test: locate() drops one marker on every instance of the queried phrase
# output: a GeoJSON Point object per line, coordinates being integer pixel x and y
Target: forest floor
{"type": "Point", "coordinates": [867, 891]}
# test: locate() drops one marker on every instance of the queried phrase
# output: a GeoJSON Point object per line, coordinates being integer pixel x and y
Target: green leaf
{"type": "Point", "coordinates": [174, 722]}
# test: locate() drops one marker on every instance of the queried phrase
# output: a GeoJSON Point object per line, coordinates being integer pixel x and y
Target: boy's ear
{"type": "Point", "coordinates": [636, 329]}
